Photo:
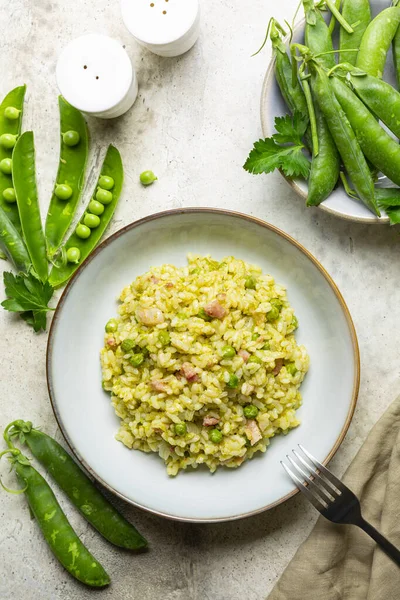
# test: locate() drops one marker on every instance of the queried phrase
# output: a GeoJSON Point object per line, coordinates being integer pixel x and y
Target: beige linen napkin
{"type": "Point", "coordinates": [340, 562]}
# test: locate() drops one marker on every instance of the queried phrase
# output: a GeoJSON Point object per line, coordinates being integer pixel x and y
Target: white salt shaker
{"type": "Point", "coordinates": [94, 74]}
{"type": "Point", "coordinates": [165, 27]}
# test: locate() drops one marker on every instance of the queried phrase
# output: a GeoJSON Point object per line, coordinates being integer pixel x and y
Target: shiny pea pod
{"type": "Point", "coordinates": [344, 137]}
{"type": "Point", "coordinates": [80, 489]}
{"type": "Point", "coordinates": [380, 97]}
{"type": "Point", "coordinates": [12, 244]}
{"type": "Point", "coordinates": [112, 167]}
{"type": "Point", "coordinates": [71, 172]}
{"type": "Point", "coordinates": [14, 99]}
{"type": "Point", "coordinates": [325, 166]}
{"type": "Point", "coordinates": [358, 14]}
{"type": "Point", "coordinates": [376, 41]}
{"type": "Point", "coordinates": [28, 204]}
{"type": "Point", "coordinates": [317, 35]}
{"type": "Point", "coordinates": [56, 529]}
{"type": "Point", "coordinates": [377, 145]}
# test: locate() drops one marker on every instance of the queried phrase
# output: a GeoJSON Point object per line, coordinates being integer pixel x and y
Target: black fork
{"type": "Point", "coordinates": [332, 498]}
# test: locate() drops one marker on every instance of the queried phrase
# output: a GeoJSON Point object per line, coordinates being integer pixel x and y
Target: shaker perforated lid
{"type": "Point", "coordinates": [160, 22]}
{"type": "Point", "coordinates": [94, 73]}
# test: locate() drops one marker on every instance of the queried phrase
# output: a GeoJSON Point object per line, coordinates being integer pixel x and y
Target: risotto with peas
{"type": "Point", "coordinates": [202, 363]}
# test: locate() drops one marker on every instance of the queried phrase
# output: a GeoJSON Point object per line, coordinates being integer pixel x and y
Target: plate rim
{"type": "Point", "coordinates": [175, 212]}
{"type": "Point", "coordinates": [264, 103]}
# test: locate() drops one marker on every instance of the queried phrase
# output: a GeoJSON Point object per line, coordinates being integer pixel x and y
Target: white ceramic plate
{"type": "Point", "coordinates": [84, 411]}
{"type": "Point", "coordinates": [273, 105]}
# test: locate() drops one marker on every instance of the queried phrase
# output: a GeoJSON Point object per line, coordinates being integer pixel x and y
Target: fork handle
{"type": "Point", "coordinates": [386, 546]}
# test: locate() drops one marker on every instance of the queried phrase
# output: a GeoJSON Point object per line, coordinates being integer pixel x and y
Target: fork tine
{"type": "Point", "coordinates": [314, 501]}
{"type": "Point", "coordinates": [330, 476]}
{"type": "Point", "coordinates": [329, 487]}
{"type": "Point", "coordinates": [323, 495]}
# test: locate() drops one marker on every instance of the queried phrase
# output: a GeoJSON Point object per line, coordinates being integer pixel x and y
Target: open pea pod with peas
{"type": "Point", "coordinates": [11, 110]}
{"type": "Point", "coordinates": [70, 176]}
{"type": "Point", "coordinates": [94, 221]}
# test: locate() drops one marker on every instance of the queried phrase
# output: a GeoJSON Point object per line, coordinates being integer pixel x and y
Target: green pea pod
{"type": "Point", "coordinates": [377, 145]}
{"type": "Point", "coordinates": [380, 97]}
{"type": "Point", "coordinates": [14, 99]}
{"type": "Point", "coordinates": [56, 529]}
{"type": "Point", "coordinates": [396, 50]}
{"type": "Point", "coordinates": [376, 41]}
{"type": "Point", "coordinates": [359, 13]}
{"type": "Point", "coordinates": [344, 137]}
{"type": "Point", "coordinates": [325, 166]}
{"type": "Point", "coordinates": [112, 167]}
{"type": "Point", "coordinates": [12, 244]}
{"type": "Point", "coordinates": [317, 35]}
{"type": "Point", "coordinates": [79, 488]}
{"type": "Point", "coordinates": [28, 204]}
{"type": "Point", "coordinates": [71, 171]}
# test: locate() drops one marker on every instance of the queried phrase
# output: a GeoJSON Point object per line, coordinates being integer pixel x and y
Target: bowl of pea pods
{"type": "Point", "coordinates": [330, 109]}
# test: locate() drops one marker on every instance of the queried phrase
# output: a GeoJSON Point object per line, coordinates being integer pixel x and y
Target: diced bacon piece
{"type": "Point", "coordinates": [253, 431]}
{"type": "Point", "coordinates": [188, 371]}
{"type": "Point", "coordinates": [244, 354]}
{"type": "Point", "coordinates": [158, 386]}
{"type": "Point", "coordinates": [111, 343]}
{"type": "Point", "coordinates": [154, 279]}
{"type": "Point", "coordinates": [278, 366]}
{"type": "Point", "coordinates": [169, 284]}
{"type": "Point", "coordinates": [210, 421]}
{"type": "Point", "coordinates": [150, 316]}
{"type": "Point", "coordinates": [215, 310]}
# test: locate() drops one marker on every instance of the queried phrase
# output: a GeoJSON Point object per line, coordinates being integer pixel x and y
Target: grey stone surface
{"type": "Point", "coordinates": [193, 124]}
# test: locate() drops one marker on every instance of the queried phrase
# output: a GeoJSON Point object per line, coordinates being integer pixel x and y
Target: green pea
{"type": "Point", "coordinates": [12, 113]}
{"type": "Point", "coordinates": [111, 326]}
{"type": "Point", "coordinates": [255, 359]}
{"type": "Point", "coordinates": [9, 195]}
{"type": "Point", "coordinates": [203, 315]}
{"type": "Point", "coordinates": [82, 231]}
{"type": "Point", "coordinates": [71, 138]}
{"type": "Point", "coordinates": [104, 196]}
{"type": "Point", "coordinates": [91, 221]}
{"type": "Point", "coordinates": [273, 313]}
{"type": "Point", "coordinates": [6, 166]}
{"type": "Point", "coordinates": [96, 208]}
{"type": "Point", "coordinates": [215, 436]}
{"type": "Point", "coordinates": [291, 368]}
{"type": "Point", "coordinates": [128, 345]}
{"type": "Point", "coordinates": [233, 381]}
{"type": "Point", "coordinates": [8, 140]}
{"type": "Point", "coordinates": [63, 191]}
{"type": "Point", "coordinates": [250, 283]}
{"type": "Point", "coordinates": [250, 411]}
{"type": "Point", "coordinates": [180, 428]}
{"type": "Point", "coordinates": [295, 322]}
{"type": "Point", "coordinates": [182, 315]}
{"type": "Point", "coordinates": [106, 183]}
{"type": "Point", "coordinates": [73, 255]}
{"type": "Point", "coordinates": [266, 346]}
{"type": "Point", "coordinates": [276, 303]}
{"type": "Point", "coordinates": [228, 352]}
{"type": "Point", "coordinates": [255, 337]}
{"type": "Point", "coordinates": [147, 178]}
{"type": "Point", "coordinates": [164, 338]}
{"type": "Point", "coordinates": [136, 359]}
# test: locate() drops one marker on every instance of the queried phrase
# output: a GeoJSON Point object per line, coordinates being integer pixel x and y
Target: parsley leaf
{"type": "Point", "coordinates": [28, 296]}
{"type": "Point", "coordinates": [284, 150]}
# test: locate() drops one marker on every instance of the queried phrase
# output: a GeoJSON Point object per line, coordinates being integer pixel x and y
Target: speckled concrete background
{"type": "Point", "coordinates": [193, 123]}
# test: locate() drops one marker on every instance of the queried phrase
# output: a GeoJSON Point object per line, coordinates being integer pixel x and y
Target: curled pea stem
{"type": "Point", "coordinates": [351, 193]}
{"type": "Point", "coordinates": [332, 22]}
{"type": "Point", "coordinates": [332, 7]}
{"type": "Point", "coordinates": [311, 113]}
{"type": "Point", "coordinates": [14, 452]}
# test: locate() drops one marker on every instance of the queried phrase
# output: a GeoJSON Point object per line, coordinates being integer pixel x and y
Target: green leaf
{"type": "Point", "coordinates": [284, 150]}
{"type": "Point", "coordinates": [27, 295]}
{"type": "Point", "coordinates": [394, 215]}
